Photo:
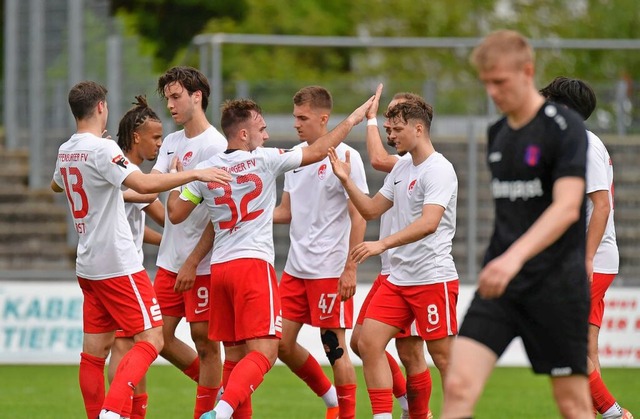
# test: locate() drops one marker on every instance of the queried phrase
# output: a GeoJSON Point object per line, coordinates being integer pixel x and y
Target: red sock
{"type": "Point", "coordinates": [193, 370]}
{"type": "Point", "coordinates": [418, 394]}
{"type": "Point", "coordinates": [91, 377]}
{"type": "Point", "coordinates": [227, 367]}
{"type": "Point", "coordinates": [381, 400]}
{"type": "Point", "coordinates": [245, 378]}
{"type": "Point", "coordinates": [132, 368]}
{"type": "Point", "coordinates": [244, 410]}
{"type": "Point", "coordinates": [347, 400]}
{"type": "Point", "coordinates": [602, 399]}
{"type": "Point", "coordinates": [127, 407]}
{"type": "Point", "coordinates": [139, 409]}
{"type": "Point", "coordinates": [311, 373]}
{"type": "Point", "coordinates": [205, 400]}
{"type": "Point", "coordinates": [399, 382]}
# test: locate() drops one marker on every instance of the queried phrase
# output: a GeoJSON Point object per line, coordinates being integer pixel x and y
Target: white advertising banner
{"type": "Point", "coordinates": [41, 323]}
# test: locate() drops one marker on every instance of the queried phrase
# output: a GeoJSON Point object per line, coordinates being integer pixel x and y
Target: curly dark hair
{"type": "Point", "coordinates": [132, 120]}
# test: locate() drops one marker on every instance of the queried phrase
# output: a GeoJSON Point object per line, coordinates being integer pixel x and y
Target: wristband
{"type": "Point", "coordinates": [372, 121]}
{"type": "Point", "coordinates": [173, 171]}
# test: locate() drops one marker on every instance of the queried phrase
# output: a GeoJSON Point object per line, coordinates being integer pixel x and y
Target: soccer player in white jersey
{"type": "Point", "coordinates": [187, 93]}
{"type": "Point", "coordinates": [139, 136]}
{"type": "Point", "coordinates": [318, 279]}
{"type": "Point", "coordinates": [423, 283]}
{"type": "Point", "coordinates": [414, 392]}
{"type": "Point", "coordinates": [247, 315]}
{"type": "Point", "coordinates": [602, 249]}
{"type": "Point", "coordinates": [117, 291]}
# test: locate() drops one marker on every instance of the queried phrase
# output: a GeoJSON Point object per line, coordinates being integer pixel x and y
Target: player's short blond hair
{"type": "Point", "coordinates": [499, 45]}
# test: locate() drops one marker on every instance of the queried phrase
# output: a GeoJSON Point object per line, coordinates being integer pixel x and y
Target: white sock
{"type": "Point", "coordinates": [331, 397]}
{"type": "Point", "coordinates": [105, 414]}
{"type": "Point", "coordinates": [403, 402]}
{"type": "Point", "coordinates": [383, 416]}
{"type": "Point", "coordinates": [614, 411]}
{"type": "Point", "coordinates": [223, 410]}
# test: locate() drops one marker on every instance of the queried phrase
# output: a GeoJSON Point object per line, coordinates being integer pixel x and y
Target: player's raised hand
{"type": "Point", "coordinates": [341, 169]}
{"type": "Point", "coordinates": [176, 165]}
{"type": "Point", "coordinates": [213, 174]}
{"type": "Point", "coordinates": [358, 115]}
{"type": "Point", "coordinates": [375, 104]}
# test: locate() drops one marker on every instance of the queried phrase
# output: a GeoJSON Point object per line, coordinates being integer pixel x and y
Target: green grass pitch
{"type": "Point", "coordinates": [52, 392]}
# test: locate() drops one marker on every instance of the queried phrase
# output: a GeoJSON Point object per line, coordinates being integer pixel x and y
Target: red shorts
{"type": "Point", "coordinates": [315, 302]}
{"type": "Point", "coordinates": [432, 306]}
{"type": "Point", "coordinates": [246, 301]}
{"type": "Point", "coordinates": [192, 305]}
{"type": "Point", "coordinates": [599, 286]}
{"type": "Point", "coordinates": [412, 331]}
{"type": "Point", "coordinates": [123, 302]}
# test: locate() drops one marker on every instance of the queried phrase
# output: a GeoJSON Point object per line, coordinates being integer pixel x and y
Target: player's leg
{"type": "Point", "coordinates": [470, 365]}
{"type": "Point", "coordinates": [98, 327]}
{"type": "Point", "coordinates": [296, 312]}
{"type": "Point", "coordinates": [197, 313]}
{"type": "Point", "coordinates": [233, 353]}
{"type": "Point", "coordinates": [603, 401]}
{"type": "Point", "coordinates": [418, 385]}
{"type": "Point", "coordinates": [172, 304]}
{"type": "Point", "coordinates": [572, 396]}
{"type": "Point", "coordinates": [373, 340]}
{"type": "Point", "coordinates": [121, 346]}
{"type": "Point", "coordinates": [344, 374]}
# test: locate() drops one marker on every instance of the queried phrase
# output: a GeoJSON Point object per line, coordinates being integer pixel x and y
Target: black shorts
{"type": "Point", "coordinates": [554, 333]}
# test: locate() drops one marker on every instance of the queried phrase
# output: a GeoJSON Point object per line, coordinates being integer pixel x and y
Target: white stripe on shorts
{"type": "Point", "coordinates": [143, 308]}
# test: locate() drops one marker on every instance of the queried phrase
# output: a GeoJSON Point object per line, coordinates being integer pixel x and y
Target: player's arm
{"type": "Point", "coordinates": [132, 196]}
{"type": "Point", "coordinates": [155, 182]}
{"type": "Point", "coordinates": [422, 227]}
{"type": "Point", "coordinates": [282, 213]}
{"type": "Point", "coordinates": [178, 209]}
{"type": "Point", "coordinates": [319, 149]}
{"type": "Point", "coordinates": [347, 281]}
{"type": "Point", "coordinates": [378, 156]}
{"type": "Point", "coordinates": [187, 273]}
{"type": "Point", "coordinates": [568, 193]}
{"type": "Point", "coordinates": [155, 211]}
{"type": "Point", "coordinates": [55, 187]}
{"type": "Point", "coordinates": [597, 225]}
{"type": "Point", "coordinates": [369, 208]}
{"type": "Point", "coordinates": [151, 236]}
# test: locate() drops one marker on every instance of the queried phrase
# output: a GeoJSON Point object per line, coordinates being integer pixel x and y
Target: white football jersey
{"type": "Point", "coordinates": [320, 223]}
{"type": "Point", "coordinates": [242, 211]}
{"type": "Point", "coordinates": [410, 188]}
{"type": "Point", "coordinates": [136, 218]}
{"type": "Point", "coordinates": [91, 170]}
{"type": "Point", "coordinates": [600, 178]}
{"type": "Point", "coordinates": [179, 240]}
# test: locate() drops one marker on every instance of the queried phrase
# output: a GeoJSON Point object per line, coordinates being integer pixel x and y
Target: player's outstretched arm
{"type": "Point", "coordinates": [154, 182]}
{"type": "Point", "coordinates": [178, 209]}
{"type": "Point", "coordinates": [378, 156]}
{"type": "Point", "coordinates": [369, 208]}
{"type": "Point", "coordinates": [282, 213]}
{"type": "Point", "coordinates": [318, 150]}
{"type": "Point", "coordinates": [132, 196]}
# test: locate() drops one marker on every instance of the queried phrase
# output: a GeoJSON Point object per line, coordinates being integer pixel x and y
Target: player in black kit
{"type": "Point", "coordinates": [534, 282]}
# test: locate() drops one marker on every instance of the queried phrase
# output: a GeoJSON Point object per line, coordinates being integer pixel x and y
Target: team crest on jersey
{"type": "Point", "coordinates": [322, 171]}
{"type": "Point", "coordinates": [411, 186]}
{"type": "Point", "coordinates": [532, 155]}
{"type": "Point", "coordinates": [120, 161]}
{"type": "Point", "coordinates": [186, 159]}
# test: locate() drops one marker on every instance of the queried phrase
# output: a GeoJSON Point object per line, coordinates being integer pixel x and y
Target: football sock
{"type": "Point", "coordinates": [311, 373]}
{"type": "Point", "coordinates": [244, 410]}
{"type": "Point", "coordinates": [347, 400]}
{"type": "Point", "coordinates": [223, 410]}
{"type": "Point", "coordinates": [245, 378]}
{"type": "Point", "coordinates": [330, 398]}
{"type": "Point", "coordinates": [614, 411]}
{"type": "Point", "coordinates": [403, 402]}
{"type": "Point", "coordinates": [600, 396]}
{"type": "Point", "coordinates": [381, 401]}
{"type": "Point", "coordinates": [399, 382]}
{"type": "Point", "coordinates": [205, 400]}
{"type": "Point", "coordinates": [132, 368]}
{"type": "Point", "coordinates": [193, 370]}
{"type": "Point", "coordinates": [91, 377]}
{"type": "Point", "coordinates": [139, 406]}
{"type": "Point", "coordinates": [418, 394]}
